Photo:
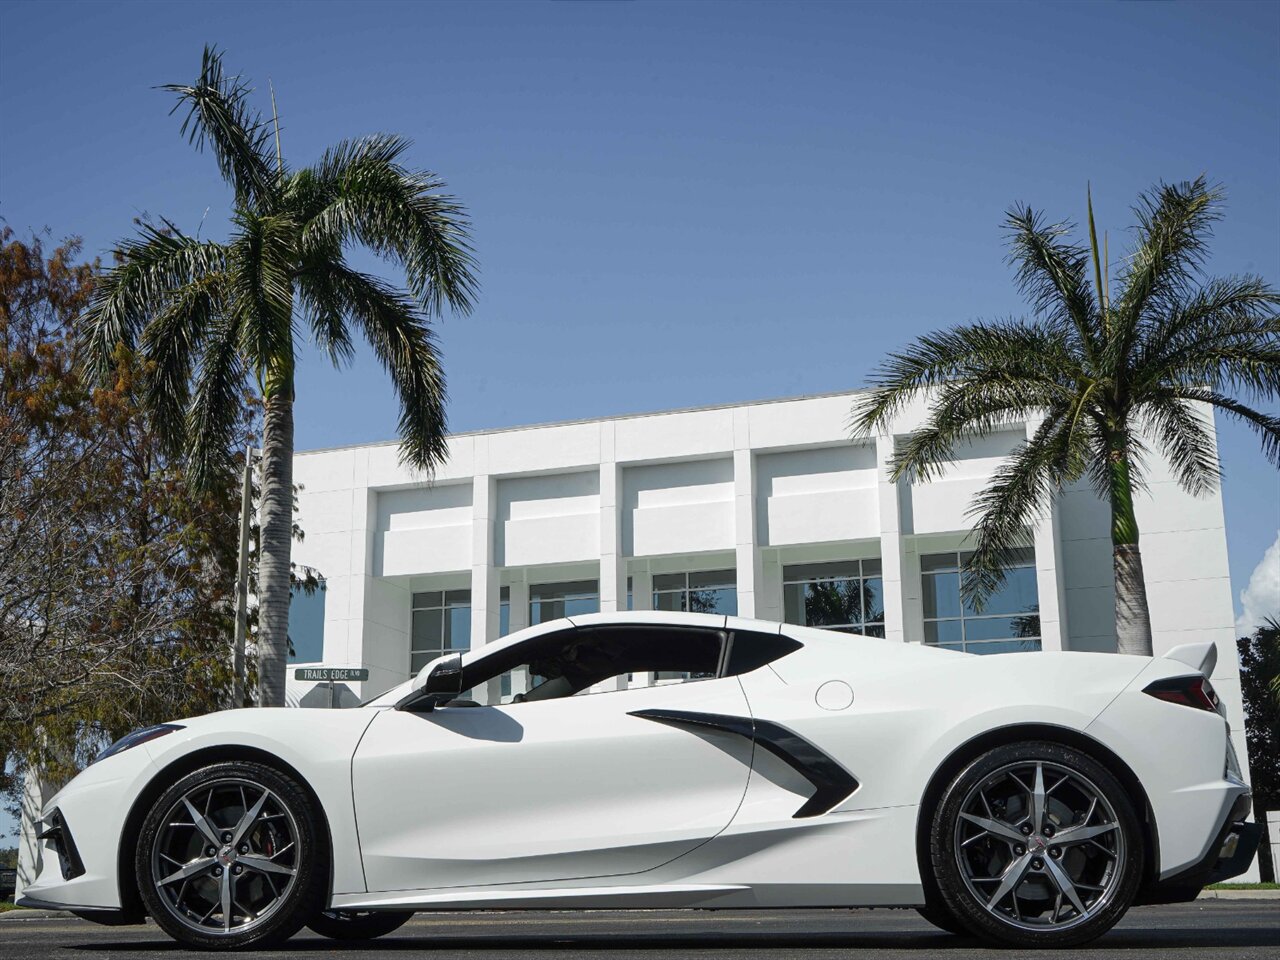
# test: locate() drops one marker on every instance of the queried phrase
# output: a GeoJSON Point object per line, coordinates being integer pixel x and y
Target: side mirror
{"type": "Point", "coordinates": [438, 682]}
{"type": "Point", "coordinates": [445, 677]}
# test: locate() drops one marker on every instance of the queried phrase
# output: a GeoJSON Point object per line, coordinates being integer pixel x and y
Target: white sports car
{"type": "Point", "coordinates": [673, 760]}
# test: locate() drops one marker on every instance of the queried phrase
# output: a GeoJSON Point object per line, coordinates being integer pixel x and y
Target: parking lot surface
{"type": "Point", "coordinates": [1241, 930]}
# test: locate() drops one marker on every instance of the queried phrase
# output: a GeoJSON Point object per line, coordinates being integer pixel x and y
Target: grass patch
{"type": "Point", "coordinates": [7, 905]}
{"type": "Point", "coordinates": [1243, 886]}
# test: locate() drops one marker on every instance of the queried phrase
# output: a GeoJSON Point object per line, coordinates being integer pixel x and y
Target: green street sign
{"type": "Point", "coordinates": [331, 673]}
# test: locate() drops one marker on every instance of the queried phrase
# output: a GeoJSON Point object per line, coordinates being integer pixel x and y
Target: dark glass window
{"type": "Point", "coordinates": [551, 601]}
{"type": "Point", "coordinates": [1009, 620]}
{"type": "Point", "coordinates": [441, 623]}
{"type": "Point", "coordinates": [847, 595]}
{"type": "Point", "coordinates": [714, 591]}
{"type": "Point", "coordinates": [572, 661]}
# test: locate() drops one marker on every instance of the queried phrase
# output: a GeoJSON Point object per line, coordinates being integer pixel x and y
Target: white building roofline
{"type": "Point", "coordinates": [581, 420]}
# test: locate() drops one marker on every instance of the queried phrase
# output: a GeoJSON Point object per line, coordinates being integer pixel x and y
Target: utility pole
{"type": "Point", "coordinates": [242, 582]}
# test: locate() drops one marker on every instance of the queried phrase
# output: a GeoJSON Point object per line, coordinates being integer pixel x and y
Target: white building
{"type": "Point", "coordinates": [763, 510]}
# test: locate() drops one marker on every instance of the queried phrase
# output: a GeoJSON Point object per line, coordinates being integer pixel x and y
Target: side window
{"type": "Point", "coordinates": [750, 651]}
{"type": "Point", "coordinates": [572, 662]}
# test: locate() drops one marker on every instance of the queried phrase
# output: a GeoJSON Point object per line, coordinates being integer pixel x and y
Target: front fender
{"type": "Point", "coordinates": [315, 744]}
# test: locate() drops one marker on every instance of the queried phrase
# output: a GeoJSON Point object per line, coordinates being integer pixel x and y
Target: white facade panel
{"type": "Point", "coordinates": [675, 435]}
{"type": "Point", "coordinates": [678, 508]}
{"type": "Point", "coordinates": [548, 519]}
{"type": "Point", "coordinates": [819, 495]}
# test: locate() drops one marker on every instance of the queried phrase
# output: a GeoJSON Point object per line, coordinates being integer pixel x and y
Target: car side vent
{"type": "Point", "coordinates": [56, 832]}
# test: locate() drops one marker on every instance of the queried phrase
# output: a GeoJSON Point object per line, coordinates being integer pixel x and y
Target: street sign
{"type": "Point", "coordinates": [331, 673]}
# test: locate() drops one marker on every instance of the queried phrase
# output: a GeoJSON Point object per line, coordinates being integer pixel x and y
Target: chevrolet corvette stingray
{"type": "Point", "coordinates": [672, 760]}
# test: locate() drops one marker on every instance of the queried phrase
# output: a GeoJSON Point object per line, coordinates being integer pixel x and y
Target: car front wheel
{"type": "Point", "coordinates": [231, 856]}
{"type": "Point", "coordinates": [1036, 845]}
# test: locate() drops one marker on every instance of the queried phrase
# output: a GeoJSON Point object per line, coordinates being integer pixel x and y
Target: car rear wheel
{"type": "Point", "coordinates": [231, 857]}
{"type": "Point", "coordinates": [1036, 845]}
{"type": "Point", "coordinates": [358, 924]}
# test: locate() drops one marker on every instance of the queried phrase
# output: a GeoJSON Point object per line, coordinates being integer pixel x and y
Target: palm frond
{"type": "Point", "coordinates": [1182, 437]}
{"type": "Point", "coordinates": [260, 287]}
{"type": "Point", "coordinates": [1265, 425]}
{"type": "Point", "coordinates": [1006, 356]}
{"type": "Point", "coordinates": [218, 113]}
{"type": "Point", "coordinates": [1225, 335]}
{"type": "Point", "coordinates": [359, 192]}
{"type": "Point", "coordinates": [961, 412]}
{"type": "Point", "coordinates": [169, 345]}
{"type": "Point", "coordinates": [151, 269]}
{"type": "Point", "coordinates": [211, 418]}
{"type": "Point", "coordinates": [1174, 225]}
{"type": "Point", "coordinates": [324, 307]}
{"type": "Point", "coordinates": [403, 341]}
{"type": "Point", "coordinates": [1019, 489]}
{"type": "Point", "coordinates": [1053, 274]}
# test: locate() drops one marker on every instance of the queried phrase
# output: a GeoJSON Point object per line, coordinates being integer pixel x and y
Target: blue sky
{"type": "Point", "coordinates": [681, 204]}
{"type": "Point", "coordinates": [675, 204]}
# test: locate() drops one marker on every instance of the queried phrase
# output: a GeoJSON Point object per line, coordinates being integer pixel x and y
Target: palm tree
{"type": "Point", "coordinates": [1115, 374]}
{"type": "Point", "coordinates": [207, 315]}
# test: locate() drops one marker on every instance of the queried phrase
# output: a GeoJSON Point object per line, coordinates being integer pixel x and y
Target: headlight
{"type": "Point", "coordinates": [138, 736]}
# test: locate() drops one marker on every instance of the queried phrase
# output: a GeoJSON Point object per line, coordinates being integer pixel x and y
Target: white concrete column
{"type": "Point", "coordinates": [749, 570]}
{"type": "Point", "coordinates": [769, 589]}
{"type": "Point", "coordinates": [485, 588]}
{"type": "Point", "coordinates": [30, 850]}
{"type": "Point", "coordinates": [518, 597]}
{"type": "Point", "coordinates": [613, 565]}
{"type": "Point", "coordinates": [641, 587]}
{"type": "Point", "coordinates": [1049, 581]}
{"type": "Point", "coordinates": [642, 599]}
{"type": "Point", "coordinates": [891, 547]}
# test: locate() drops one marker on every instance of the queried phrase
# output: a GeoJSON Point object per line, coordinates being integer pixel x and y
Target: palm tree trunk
{"type": "Point", "coordinates": [1133, 617]}
{"type": "Point", "coordinates": [277, 544]}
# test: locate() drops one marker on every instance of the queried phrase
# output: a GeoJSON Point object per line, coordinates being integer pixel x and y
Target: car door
{"type": "Point", "coordinates": [556, 789]}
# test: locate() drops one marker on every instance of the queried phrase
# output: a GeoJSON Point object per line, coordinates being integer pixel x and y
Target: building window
{"type": "Point", "coordinates": [306, 625]}
{"type": "Point", "coordinates": [1009, 620]}
{"type": "Point", "coordinates": [846, 596]}
{"type": "Point", "coordinates": [441, 624]}
{"type": "Point", "coordinates": [504, 611]}
{"type": "Point", "coordinates": [714, 591]}
{"type": "Point", "coordinates": [551, 601]}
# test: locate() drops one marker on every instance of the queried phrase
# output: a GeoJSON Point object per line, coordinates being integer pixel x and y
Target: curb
{"type": "Point", "coordinates": [25, 913]}
{"type": "Point", "coordinates": [1239, 895]}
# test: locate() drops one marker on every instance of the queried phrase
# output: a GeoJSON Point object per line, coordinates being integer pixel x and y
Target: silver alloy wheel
{"type": "Point", "coordinates": [1039, 845]}
{"type": "Point", "coordinates": [226, 856]}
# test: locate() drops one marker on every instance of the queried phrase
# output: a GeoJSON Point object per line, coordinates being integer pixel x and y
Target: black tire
{"type": "Point", "coordinates": [939, 917]}
{"type": "Point", "coordinates": [1039, 909]}
{"type": "Point", "coordinates": [358, 924]}
{"type": "Point", "coordinates": [299, 872]}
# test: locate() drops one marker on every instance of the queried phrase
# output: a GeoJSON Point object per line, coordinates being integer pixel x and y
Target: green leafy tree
{"type": "Point", "coordinates": [208, 315]}
{"type": "Point", "coordinates": [115, 572]}
{"type": "Point", "coordinates": [1109, 370]}
{"type": "Point", "coordinates": [1259, 683]}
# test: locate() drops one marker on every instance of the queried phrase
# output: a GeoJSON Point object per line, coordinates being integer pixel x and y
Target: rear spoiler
{"type": "Point", "coordinates": [1198, 656]}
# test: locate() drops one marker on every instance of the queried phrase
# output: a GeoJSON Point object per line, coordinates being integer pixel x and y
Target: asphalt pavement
{"type": "Point", "coordinates": [1236, 929]}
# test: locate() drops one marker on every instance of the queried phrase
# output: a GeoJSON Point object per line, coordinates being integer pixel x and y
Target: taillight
{"type": "Point", "coordinates": [1194, 691]}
